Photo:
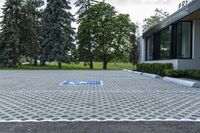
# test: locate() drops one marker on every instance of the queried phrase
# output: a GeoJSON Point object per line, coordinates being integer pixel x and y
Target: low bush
{"type": "Point", "coordinates": [155, 68]}
{"type": "Point", "coordinates": [167, 70]}
{"type": "Point", "coordinates": [192, 74]}
{"type": "Point", "coordinates": [195, 74]}
{"type": "Point", "coordinates": [175, 73]}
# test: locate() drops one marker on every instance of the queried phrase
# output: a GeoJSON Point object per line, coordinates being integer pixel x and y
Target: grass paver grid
{"type": "Point", "coordinates": [37, 96]}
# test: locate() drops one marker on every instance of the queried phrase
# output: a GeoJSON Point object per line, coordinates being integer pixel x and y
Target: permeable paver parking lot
{"type": "Point", "coordinates": [40, 96]}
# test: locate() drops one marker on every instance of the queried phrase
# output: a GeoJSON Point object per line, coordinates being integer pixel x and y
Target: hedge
{"type": "Point", "coordinates": [167, 70]}
{"type": "Point", "coordinates": [155, 68]}
{"type": "Point", "coordinates": [192, 74]}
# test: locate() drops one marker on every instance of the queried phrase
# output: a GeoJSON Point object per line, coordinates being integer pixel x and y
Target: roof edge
{"type": "Point", "coordinates": [179, 14]}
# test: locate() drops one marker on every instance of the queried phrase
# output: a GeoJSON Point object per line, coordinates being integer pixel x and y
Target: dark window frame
{"type": "Point", "coordinates": [170, 29]}
{"type": "Point", "coordinates": [173, 44]}
{"type": "Point", "coordinates": [158, 41]}
{"type": "Point", "coordinates": [191, 40]}
{"type": "Point", "coordinates": [148, 47]}
{"type": "Point", "coordinates": [157, 46]}
{"type": "Point", "coordinates": [146, 58]}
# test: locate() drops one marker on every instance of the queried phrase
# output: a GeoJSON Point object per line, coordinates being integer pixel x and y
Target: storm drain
{"type": "Point", "coordinates": [82, 82]}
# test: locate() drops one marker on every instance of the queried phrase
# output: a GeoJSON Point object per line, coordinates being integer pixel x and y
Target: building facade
{"type": "Point", "coordinates": [175, 40]}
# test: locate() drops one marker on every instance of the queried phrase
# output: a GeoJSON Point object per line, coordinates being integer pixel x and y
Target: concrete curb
{"type": "Point", "coordinates": [137, 72]}
{"type": "Point", "coordinates": [152, 75]}
{"type": "Point", "coordinates": [168, 79]}
{"type": "Point", "coordinates": [130, 71]}
{"type": "Point", "coordinates": [182, 82]}
{"type": "Point", "coordinates": [141, 73]}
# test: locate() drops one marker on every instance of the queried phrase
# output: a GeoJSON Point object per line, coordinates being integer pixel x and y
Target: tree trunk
{"type": "Point", "coordinates": [91, 64]}
{"type": "Point", "coordinates": [35, 62]}
{"type": "Point", "coordinates": [85, 64]}
{"type": "Point", "coordinates": [105, 62]}
{"type": "Point", "coordinates": [42, 63]}
{"type": "Point", "coordinates": [90, 58]}
{"type": "Point", "coordinates": [59, 65]}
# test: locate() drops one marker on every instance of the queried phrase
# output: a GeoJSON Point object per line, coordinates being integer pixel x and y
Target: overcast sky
{"type": "Point", "coordinates": [138, 9]}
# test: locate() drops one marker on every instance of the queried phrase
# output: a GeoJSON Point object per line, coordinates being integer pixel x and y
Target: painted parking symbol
{"type": "Point", "coordinates": [82, 82]}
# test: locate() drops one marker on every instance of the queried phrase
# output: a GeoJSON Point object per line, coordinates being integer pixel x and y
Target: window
{"type": "Point", "coordinates": [156, 46]}
{"type": "Point", "coordinates": [174, 42]}
{"type": "Point", "coordinates": [165, 44]}
{"type": "Point", "coordinates": [184, 40]}
{"type": "Point", "coordinates": [149, 49]}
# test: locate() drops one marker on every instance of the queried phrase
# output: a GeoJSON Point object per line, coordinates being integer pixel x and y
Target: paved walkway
{"type": "Point", "coordinates": [37, 96]}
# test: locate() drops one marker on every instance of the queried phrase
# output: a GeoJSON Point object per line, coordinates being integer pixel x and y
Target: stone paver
{"type": "Point", "coordinates": [37, 96]}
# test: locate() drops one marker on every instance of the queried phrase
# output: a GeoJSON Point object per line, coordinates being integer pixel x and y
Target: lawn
{"type": "Point", "coordinates": [80, 66]}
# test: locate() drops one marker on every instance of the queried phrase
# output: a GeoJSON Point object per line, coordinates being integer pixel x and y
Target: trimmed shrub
{"type": "Point", "coordinates": [167, 70]}
{"type": "Point", "coordinates": [174, 73]}
{"type": "Point", "coordinates": [155, 68]}
{"type": "Point", "coordinates": [192, 74]}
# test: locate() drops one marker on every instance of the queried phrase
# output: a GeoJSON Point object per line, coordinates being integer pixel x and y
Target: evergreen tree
{"type": "Point", "coordinates": [11, 33]}
{"type": "Point", "coordinates": [32, 29]}
{"type": "Point", "coordinates": [57, 32]}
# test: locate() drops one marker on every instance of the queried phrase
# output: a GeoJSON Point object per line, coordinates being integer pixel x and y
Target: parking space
{"type": "Point", "coordinates": [38, 96]}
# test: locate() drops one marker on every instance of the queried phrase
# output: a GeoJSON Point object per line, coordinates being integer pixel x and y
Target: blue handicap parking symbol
{"type": "Point", "coordinates": [82, 82]}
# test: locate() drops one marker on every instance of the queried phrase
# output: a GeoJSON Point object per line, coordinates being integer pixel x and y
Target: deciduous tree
{"type": "Point", "coordinates": [83, 5]}
{"type": "Point", "coordinates": [103, 26]}
{"type": "Point", "coordinates": [133, 54]}
{"type": "Point", "coordinates": [123, 28]}
{"type": "Point", "coordinates": [152, 20]}
{"type": "Point", "coordinates": [84, 36]}
{"type": "Point", "coordinates": [86, 44]}
{"type": "Point", "coordinates": [104, 34]}
{"type": "Point", "coordinates": [111, 33]}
